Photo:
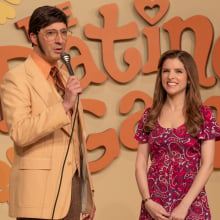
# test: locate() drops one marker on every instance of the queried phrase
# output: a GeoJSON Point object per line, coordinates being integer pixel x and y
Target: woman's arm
{"type": "Point", "coordinates": [207, 161]}
{"type": "Point", "coordinates": [154, 209]}
{"type": "Point", "coordinates": [141, 169]}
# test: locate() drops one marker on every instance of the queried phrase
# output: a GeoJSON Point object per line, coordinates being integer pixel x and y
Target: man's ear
{"type": "Point", "coordinates": [33, 39]}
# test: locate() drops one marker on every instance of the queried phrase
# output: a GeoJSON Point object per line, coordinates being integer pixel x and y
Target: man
{"type": "Point", "coordinates": [49, 177]}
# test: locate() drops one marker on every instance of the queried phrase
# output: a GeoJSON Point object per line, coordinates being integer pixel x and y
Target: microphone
{"type": "Point", "coordinates": [65, 57]}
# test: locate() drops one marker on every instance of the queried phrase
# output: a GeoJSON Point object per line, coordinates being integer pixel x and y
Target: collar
{"type": "Point", "coordinates": [44, 66]}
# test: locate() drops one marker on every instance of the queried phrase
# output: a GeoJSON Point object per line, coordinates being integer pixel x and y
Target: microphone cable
{"type": "Point", "coordinates": [66, 59]}
{"type": "Point", "coordinates": [64, 162]}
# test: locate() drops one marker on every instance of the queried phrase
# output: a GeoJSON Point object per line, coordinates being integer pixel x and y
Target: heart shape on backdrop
{"type": "Point", "coordinates": [141, 5]}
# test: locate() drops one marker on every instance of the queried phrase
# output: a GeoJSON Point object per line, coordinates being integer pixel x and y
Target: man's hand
{"type": "Point", "coordinates": [73, 88]}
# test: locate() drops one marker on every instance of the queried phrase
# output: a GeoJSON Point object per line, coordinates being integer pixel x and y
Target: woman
{"type": "Point", "coordinates": [179, 134]}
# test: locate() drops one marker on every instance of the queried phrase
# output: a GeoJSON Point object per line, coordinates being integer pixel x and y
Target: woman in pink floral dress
{"type": "Point", "coordinates": [178, 133]}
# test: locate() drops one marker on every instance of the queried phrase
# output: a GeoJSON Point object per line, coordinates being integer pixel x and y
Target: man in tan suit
{"type": "Point", "coordinates": [50, 178]}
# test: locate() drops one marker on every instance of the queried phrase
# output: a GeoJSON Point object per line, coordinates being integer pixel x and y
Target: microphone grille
{"type": "Point", "coordinates": [65, 57]}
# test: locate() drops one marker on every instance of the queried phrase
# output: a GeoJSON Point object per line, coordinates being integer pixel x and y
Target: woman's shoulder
{"type": "Point", "coordinates": [210, 128]}
{"type": "Point", "coordinates": [145, 114]}
{"type": "Point", "coordinates": [206, 111]}
{"type": "Point", "coordinates": [147, 111]}
{"type": "Point", "coordinates": [207, 114]}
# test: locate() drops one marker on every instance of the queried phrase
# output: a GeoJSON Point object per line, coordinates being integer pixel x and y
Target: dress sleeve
{"type": "Point", "coordinates": [140, 134]}
{"type": "Point", "coordinates": [210, 128]}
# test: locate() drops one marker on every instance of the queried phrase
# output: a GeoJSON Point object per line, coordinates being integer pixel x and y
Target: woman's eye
{"type": "Point", "coordinates": [179, 71]}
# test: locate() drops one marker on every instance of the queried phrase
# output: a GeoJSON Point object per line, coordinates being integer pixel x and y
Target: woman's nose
{"type": "Point", "coordinates": [171, 74]}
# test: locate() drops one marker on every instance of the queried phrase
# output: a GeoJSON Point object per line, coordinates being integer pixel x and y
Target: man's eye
{"type": "Point", "coordinates": [51, 32]}
{"type": "Point", "coordinates": [64, 32]}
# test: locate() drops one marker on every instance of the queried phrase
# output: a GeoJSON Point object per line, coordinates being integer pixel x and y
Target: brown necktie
{"type": "Point", "coordinates": [55, 74]}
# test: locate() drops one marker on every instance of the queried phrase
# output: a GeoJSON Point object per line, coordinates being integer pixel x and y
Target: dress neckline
{"type": "Point", "coordinates": [167, 128]}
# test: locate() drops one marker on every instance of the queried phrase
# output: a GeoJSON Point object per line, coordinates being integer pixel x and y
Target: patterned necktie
{"type": "Point", "coordinates": [55, 74]}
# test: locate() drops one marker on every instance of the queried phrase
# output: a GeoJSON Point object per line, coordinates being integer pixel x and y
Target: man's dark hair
{"type": "Point", "coordinates": [45, 16]}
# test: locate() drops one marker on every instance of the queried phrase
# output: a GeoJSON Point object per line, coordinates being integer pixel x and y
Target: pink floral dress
{"type": "Point", "coordinates": [175, 161]}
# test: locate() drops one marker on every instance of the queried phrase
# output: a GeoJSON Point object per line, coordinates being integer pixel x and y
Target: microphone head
{"type": "Point", "coordinates": [65, 57]}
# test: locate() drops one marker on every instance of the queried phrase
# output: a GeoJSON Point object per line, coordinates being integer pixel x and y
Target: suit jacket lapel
{"type": "Point", "coordinates": [40, 84]}
{"type": "Point", "coordinates": [43, 88]}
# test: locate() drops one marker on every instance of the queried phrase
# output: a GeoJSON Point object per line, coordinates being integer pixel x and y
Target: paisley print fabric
{"type": "Point", "coordinates": [175, 161]}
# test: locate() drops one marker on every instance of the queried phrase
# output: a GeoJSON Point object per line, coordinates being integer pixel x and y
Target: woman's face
{"type": "Point", "coordinates": [174, 77]}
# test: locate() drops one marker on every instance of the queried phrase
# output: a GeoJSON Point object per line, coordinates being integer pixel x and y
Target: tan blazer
{"type": "Point", "coordinates": [40, 130]}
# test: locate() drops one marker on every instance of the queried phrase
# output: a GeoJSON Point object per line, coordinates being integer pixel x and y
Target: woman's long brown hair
{"type": "Point", "coordinates": [193, 101]}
